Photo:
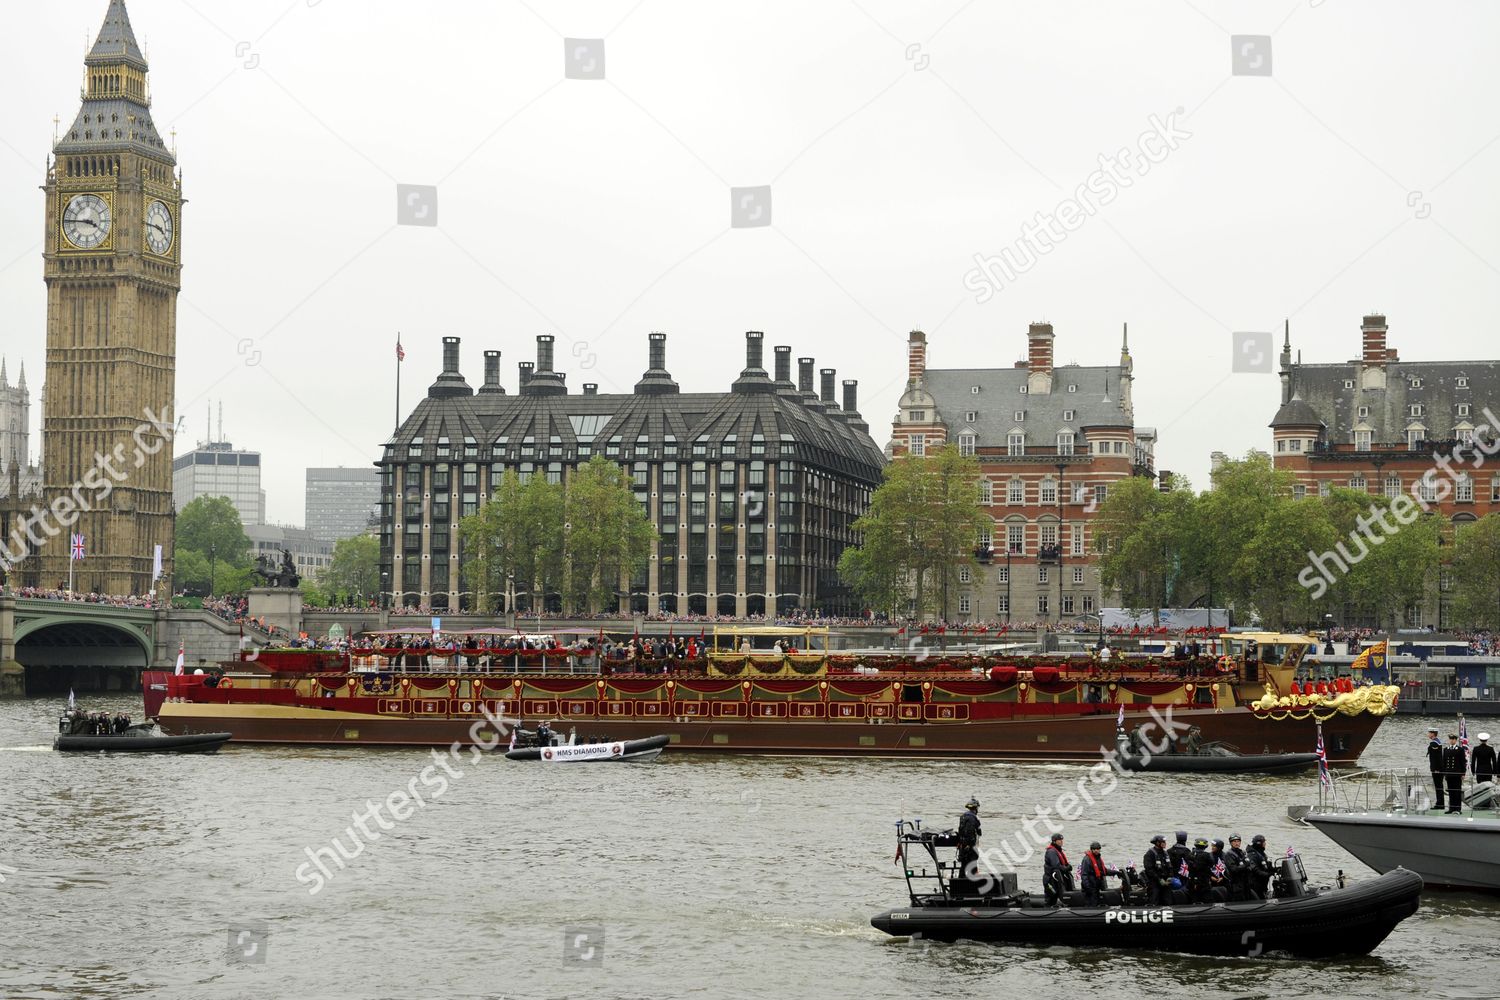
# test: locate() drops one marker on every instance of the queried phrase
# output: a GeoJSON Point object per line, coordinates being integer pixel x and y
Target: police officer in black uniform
{"type": "Point", "coordinates": [1157, 868]}
{"type": "Point", "coordinates": [968, 836]}
{"type": "Point", "coordinates": [1454, 767]}
{"type": "Point", "coordinates": [1178, 854]}
{"type": "Point", "coordinates": [1234, 860]}
{"type": "Point", "coordinates": [1258, 868]}
{"type": "Point", "coordinates": [1435, 765]}
{"type": "Point", "coordinates": [1200, 869]}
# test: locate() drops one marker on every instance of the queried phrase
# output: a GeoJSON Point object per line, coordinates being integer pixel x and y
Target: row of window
{"type": "Point", "coordinates": [1047, 538]}
{"type": "Point", "coordinates": [1391, 487]}
{"type": "Point", "coordinates": [1046, 492]}
{"type": "Point", "coordinates": [1043, 605]}
{"type": "Point", "coordinates": [585, 428]}
{"type": "Point", "coordinates": [1002, 574]}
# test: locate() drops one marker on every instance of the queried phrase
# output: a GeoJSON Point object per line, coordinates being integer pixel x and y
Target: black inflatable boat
{"type": "Point", "coordinates": [1213, 758]}
{"type": "Point", "coordinates": [634, 751]}
{"type": "Point", "coordinates": [76, 734]}
{"type": "Point", "coordinates": [1300, 920]}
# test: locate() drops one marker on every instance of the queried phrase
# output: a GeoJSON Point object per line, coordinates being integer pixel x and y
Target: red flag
{"type": "Point", "coordinates": [400, 354]}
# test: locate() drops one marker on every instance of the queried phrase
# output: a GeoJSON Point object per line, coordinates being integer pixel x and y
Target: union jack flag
{"type": "Point", "coordinates": [1323, 774]}
{"type": "Point", "coordinates": [400, 353]}
{"type": "Point", "coordinates": [77, 553]}
{"type": "Point", "coordinates": [1463, 737]}
{"type": "Point", "coordinates": [1220, 871]}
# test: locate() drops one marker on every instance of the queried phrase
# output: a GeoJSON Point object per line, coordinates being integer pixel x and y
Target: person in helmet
{"type": "Point", "coordinates": [1234, 860]}
{"type": "Point", "coordinates": [1200, 868]}
{"type": "Point", "coordinates": [1057, 873]}
{"type": "Point", "coordinates": [1091, 875]}
{"type": "Point", "coordinates": [1218, 873]}
{"type": "Point", "coordinates": [968, 836]}
{"type": "Point", "coordinates": [1157, 870]}
{"type": "Point", "coordinates": [1178, 854]}
{"type": "Point", "coordinates": [1258, 868]}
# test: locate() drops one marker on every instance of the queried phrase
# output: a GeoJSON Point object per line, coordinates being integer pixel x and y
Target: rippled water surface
{"type": "Point", "coordinates": [689, 877]}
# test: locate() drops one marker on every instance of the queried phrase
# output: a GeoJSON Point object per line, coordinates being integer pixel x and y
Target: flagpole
{"type": "Point", "coordinates": [398, 380]}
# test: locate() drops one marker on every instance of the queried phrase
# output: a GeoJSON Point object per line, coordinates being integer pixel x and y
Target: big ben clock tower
{"type": "Point", "coordinates": [112, 264]}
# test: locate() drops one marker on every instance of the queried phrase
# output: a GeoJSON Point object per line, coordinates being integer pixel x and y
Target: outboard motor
{"type": "Point", "coordinates": [1291, 879]}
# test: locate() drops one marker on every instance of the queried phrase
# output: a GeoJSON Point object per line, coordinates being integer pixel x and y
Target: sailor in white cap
{"type": "Point", "coordinates": [1482, 760]}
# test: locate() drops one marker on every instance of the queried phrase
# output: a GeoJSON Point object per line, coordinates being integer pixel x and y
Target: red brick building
{"type": "Point", "coordinates": [1050, 440]}
{"type": "Point", "coordinates": [1386, 426]}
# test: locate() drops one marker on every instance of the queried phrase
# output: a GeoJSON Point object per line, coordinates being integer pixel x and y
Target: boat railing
{"type": "Point", "coordinates": [1385, 790]}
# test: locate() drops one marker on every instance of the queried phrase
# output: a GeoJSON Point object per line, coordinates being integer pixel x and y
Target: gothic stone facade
{"type": "Point", "coordinates": [112, 261]}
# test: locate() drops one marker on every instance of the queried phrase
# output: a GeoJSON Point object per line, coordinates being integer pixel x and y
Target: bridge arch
{"type": "Point", "coordinates": [47, 640]}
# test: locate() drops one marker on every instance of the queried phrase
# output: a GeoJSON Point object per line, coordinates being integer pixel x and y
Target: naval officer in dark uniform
{"type": "Point", "coordinates": [1435, 765]}
{"type": "Point", "coordinates": [1454, 766]}
{"type": "Point", "coordinates": [1482, 762]}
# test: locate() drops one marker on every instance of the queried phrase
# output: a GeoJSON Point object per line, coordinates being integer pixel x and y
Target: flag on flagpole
{"type": "Point", "coordinates": [72, 702]}
{"type": "Point", "coordinates": [1120, 718]}
{"type": "Point", "coordinates": [1373, 658]}
{"type": "Point", "coordinates": [1324, 777]}
{"type": "Point", "coordinates": [77, 552]}
{"type": "Point", "coordinates": [156, 565]}
{"type": "Point", "coordinates": [1463, 738]}
{"type": "Point", "coordinates": [180, 657]}
{"type": "Point", "coordinates": [400, 352]}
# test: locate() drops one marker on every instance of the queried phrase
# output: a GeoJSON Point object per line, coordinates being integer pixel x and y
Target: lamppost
{"type": "Point", "coordinates": [385, 590]}
{"type": "Point", "coordinates": [213, 565]}
{"type": "Point", "coordinates": [1008, 611]}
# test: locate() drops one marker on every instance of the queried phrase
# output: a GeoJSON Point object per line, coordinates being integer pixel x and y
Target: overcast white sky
{"type": "Point", "coordinates": [899, 140]}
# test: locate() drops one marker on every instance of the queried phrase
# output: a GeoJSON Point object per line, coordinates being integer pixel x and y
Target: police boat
{"type": "Point", "coordinates": [1209, 758]}
{"type": "Point", "coordinates": [544, 745]}
{"type": "Point", "coordinates": [1297, 919]}
{"type": "Point", "coordinates": [80, 732]}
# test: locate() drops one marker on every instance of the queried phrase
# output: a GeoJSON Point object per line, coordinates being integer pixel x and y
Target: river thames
{"type": "Point", "coordinates": [692, 877]}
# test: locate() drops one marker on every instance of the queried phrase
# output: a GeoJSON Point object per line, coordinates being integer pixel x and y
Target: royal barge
{"type": "Point", "coordinates": [740, 697]}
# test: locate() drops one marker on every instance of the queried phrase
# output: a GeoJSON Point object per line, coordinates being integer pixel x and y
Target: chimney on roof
{"type": "Point", "coordinates": [492, 384]}
{"type": "Point", "coordinates": [451, 381]}
{"type": "Point", "coordinates": [1039, 358]}
{"type": "Point", "coordinates": [524, 370]}
{"type": "Point", "coordinates": [805, 384]}
{"type": "Point", "coordinates": [545, 381]}
{"type": "Point", "coordinates": [829, 375]}
{"type": "Point", "coordinates": [916, 355]}
{"type": "Point", "coordinates": [656, 381]}
{"type": "Point", "coordinates": [591, 388]}
{"type": "Point", "coordinates": [783, 364]}
{"type": "Point", "coordinates": [754, 377]}
{"type": "Point", "coordinates": [851, 406]}
{"type": "Point", "coordinates": [1373, 332]}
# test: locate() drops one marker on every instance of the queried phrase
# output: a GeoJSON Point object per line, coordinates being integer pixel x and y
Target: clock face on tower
{"type": "Point", "coordinates": [158, 228]}
{"type": "Point", "coordinates": [86, 221]}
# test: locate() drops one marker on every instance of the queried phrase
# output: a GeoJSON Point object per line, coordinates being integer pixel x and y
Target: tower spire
{"type": "Point", "coordinates": [116, 41]}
